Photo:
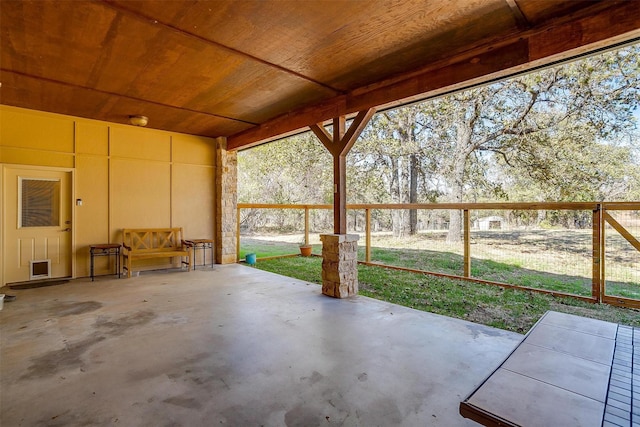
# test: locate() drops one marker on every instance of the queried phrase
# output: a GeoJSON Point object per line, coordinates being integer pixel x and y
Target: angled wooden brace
{"type": "Point", "coordinates": [339, 144]}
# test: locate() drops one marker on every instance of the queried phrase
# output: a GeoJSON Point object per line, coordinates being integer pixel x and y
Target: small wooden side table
{"type": "Point", "coordinates": [203, 244]}
{"type": "Point", "coordinates": [105, 249]}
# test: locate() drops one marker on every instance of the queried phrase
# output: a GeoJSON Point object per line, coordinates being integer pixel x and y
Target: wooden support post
{"type": "Point", "coordinates": [367, 248]}
{"type": "Point", "coordinates": [340, 194]}
{"type": "Point", "coordinates": [306, 225]}
{"type": "Point", "coordinates": [467, 244]}
{"type": "Point", "coordinates": [340, 250]}
{"type": "Point", "coordinates": [339, 177]}
{"type": "Point", "coordinates": [597, 288]}
{"type": "Point", "coordinates": [339, 144]}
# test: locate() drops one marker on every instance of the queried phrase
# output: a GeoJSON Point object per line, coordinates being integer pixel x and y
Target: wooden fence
{"type": "Point", "coordinates": [601, 216]}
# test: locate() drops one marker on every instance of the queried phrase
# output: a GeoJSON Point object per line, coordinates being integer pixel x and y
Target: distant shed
{"type": "Point", "coordinates": [488, 223]}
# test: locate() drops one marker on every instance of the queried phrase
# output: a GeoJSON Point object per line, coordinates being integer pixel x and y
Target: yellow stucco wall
{"type": "Point", "coordinates": [127, 177]}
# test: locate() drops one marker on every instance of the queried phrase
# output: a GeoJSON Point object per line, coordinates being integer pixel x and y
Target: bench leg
{"type": "Point", "coordinates": [129, 267]}
{"type": "Point", "coordinates": [188, 262]}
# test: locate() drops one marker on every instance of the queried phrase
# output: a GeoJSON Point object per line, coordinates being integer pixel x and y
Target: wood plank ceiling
{"type": "Point", "coordinates": [252, 70]}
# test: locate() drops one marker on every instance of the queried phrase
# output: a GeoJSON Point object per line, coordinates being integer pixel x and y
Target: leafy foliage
{"type": "Point", "coordinates": [567, 133]}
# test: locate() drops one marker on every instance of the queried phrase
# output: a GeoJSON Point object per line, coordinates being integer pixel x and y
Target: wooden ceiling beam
{"type": "Point", "coordinates": [290, 123]}
{"type": "Point", "coordinates": [521, 20]}
{"type": "Point", "coordinates": [602, 25]}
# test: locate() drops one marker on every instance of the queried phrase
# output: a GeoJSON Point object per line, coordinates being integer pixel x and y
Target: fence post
{"type": "Point", "coordinates": [603, 264]}
{"type": "Point", "coordinates": [467, 244]}
{"type": "Point", "coordinates": [238, 235]}
{"type": "Point", "coordinates": [367, 227]}
{"type": "Point", "coordinates": [597, 261]}
{"type": "Point", "coordinates": [306, 225]}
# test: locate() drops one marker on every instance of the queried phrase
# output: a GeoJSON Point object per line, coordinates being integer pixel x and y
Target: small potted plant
{"type": "Point", "coordinates": [305, 248]}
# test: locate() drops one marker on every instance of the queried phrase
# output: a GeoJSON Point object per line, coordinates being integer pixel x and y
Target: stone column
{"type": "Point", "coordinates": [226, 203]}
{"type": "Point", "coordinates": [340, 265]}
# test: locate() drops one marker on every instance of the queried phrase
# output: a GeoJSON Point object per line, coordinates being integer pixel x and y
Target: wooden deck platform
{"type": "Point", "coordinates": [567, 371]}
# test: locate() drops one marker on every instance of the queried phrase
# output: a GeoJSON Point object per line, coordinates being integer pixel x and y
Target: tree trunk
{"type": "Point", "coordinates": [456, 180]}
{"type": "Point", "coordinates": [455, 217]}
{"type": "Point", "coordinates": [457, 192]}
{"type": "Point", "coordinates": [542, 215]}
{"type": "Point", "coordinates": [413, 193]}
{"type": "Point", "coordinates": [395, 190]}
{"type": "Point", "coordinates": [455, 226]}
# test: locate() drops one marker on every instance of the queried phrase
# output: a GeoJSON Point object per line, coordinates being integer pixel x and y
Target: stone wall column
{"type": "Point", "coordinates": [339, 265]}
{"type": "Point", "coordinates": [226, 203]}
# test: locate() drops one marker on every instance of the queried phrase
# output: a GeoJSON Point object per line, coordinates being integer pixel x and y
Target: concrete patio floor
{"type": "Point", "coordinates": [233, 346]}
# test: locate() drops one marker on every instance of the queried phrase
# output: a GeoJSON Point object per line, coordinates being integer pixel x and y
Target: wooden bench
{"type": "Point", "coordinates": [568, 371]}
{"type": "Point", "coordinates": [150, 243]}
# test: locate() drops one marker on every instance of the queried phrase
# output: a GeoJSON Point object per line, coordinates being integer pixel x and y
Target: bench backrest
{"type": "Point", "coordinates": [152, 239]}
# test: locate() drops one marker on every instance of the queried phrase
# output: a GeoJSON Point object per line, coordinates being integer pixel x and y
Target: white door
{"type": "Point", "coordinates": [37, 224]}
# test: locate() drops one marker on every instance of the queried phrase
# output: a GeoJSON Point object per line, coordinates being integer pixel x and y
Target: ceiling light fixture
{"type": "Point", "coordinates": [138, 120]}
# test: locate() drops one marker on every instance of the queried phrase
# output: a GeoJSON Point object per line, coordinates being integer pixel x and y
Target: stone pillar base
{"type": "Point", "coordinates": [339, 265]}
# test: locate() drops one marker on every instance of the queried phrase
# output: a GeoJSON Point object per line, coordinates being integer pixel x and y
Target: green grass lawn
{"type": "Point", "coordinates": [544, 275]}
{"type": "Point", "coordinates": [490, 305]}
{"type": "Point", "coordinates": [267, 249]}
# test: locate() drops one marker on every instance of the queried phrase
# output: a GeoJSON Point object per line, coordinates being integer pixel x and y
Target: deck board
{"type": "Point", "coordinates": [568, 370]}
